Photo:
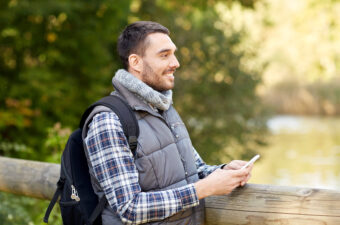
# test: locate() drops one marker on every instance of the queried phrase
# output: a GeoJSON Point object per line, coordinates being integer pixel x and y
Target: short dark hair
{"type": "Point", "coordinates": [133, 39]}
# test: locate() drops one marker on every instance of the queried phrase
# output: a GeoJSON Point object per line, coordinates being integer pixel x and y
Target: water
{"type": "Point", "coordinates": [302, 151]}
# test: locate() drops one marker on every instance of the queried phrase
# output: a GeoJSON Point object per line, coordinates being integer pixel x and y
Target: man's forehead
{"type": "Point", "coordinates": [160, 42]}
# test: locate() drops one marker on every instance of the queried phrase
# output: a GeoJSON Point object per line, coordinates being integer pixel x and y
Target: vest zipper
{"type": "Point", "coordinates": [172, 128]}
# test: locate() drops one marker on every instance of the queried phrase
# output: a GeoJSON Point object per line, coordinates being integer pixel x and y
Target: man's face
{"type": "Point", "coordinates": [159, 62]}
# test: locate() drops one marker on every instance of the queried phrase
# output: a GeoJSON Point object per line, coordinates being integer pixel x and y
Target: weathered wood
{"type": "Point", "coordinates": [28, 178]}
{"type": "Point", "coordinates": [253, 204]}
{"type": "Point", "coordinates": [231, 217]}
{"type": "Point", "coordinates": [265, 204]}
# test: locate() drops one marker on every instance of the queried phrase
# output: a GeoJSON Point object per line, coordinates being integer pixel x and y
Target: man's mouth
{"type": "Point", "coordinates": [169, 72]}
{"type": "Point", "coordinates": [169, 76]}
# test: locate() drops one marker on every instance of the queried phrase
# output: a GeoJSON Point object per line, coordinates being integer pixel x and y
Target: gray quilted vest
{"type": "Point", "coordinates": [164, 157]}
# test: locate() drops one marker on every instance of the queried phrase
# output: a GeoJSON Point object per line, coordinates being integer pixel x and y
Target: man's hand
{"type": "Point", "coordinates": [221, 182]}
{"type": "Point", "coordinates": [236, 165]}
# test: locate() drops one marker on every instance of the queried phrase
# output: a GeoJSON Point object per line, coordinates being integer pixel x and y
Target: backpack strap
{"type": "Point", "coordinates": [124, 113]}
{"type": "Point", "coordinates": [55, 197]}
{"type": "Point", "coordinates": [98, 210]}
{"type": "Point", "coordinates": [130, 128]}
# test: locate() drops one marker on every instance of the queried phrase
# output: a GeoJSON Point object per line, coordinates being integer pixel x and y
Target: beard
{"type": "Point", "coordinates": [154, 80]}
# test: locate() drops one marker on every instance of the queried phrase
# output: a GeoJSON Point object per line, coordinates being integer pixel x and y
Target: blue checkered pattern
{"type": "Point", "coordinates": [117, 174]}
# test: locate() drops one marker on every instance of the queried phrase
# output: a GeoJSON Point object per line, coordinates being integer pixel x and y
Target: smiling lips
{"type": "Point", "coordinates": [170, 71]}
{"type": "Point", "coordinates": [170, 74]}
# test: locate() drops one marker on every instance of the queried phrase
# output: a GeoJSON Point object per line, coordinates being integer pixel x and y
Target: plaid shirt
{"type": "Point", "coordinates": [114, 168]}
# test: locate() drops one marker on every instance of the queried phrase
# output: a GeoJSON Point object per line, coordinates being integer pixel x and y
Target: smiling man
{"type": "Point", "coordinates": [166, 181]}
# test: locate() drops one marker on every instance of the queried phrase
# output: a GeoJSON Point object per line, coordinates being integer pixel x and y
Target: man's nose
{"type": "Point", "coordinates": [174, 62]}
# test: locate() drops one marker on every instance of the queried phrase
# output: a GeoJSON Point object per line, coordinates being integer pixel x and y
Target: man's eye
{"type": "Point", "coordinates": [164, 55]}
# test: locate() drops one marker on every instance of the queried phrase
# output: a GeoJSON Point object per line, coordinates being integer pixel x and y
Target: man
{"type": "Point", "coordinates": [166, 181]}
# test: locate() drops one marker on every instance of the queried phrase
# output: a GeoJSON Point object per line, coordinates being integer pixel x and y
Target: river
{"type": "Point", "coordinates": [301, 151]}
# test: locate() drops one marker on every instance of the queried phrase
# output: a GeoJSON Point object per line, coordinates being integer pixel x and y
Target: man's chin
{"type": "Point", "coordinates": [167, 87]}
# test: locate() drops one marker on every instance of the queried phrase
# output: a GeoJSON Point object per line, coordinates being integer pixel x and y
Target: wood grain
{"type": "Point", "coordinates": [28, 178]}
{"type": "Point", "coordinates": [253, 204]}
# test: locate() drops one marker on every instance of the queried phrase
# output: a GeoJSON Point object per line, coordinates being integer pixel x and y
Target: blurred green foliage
{"type": "Point", "coordinates": [300, 47]}
{"type": "Point", "coordinates": [294, 97]}
{"type": "Point", "coordinates": [57, 57]}
{"type": "Point", "coordinates": [15, 210]}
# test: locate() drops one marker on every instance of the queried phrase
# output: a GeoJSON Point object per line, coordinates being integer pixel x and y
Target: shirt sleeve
{"type": "Point", "coordinates": [202, 168]}
{"type": "Point", "coordinates": [114, 168]}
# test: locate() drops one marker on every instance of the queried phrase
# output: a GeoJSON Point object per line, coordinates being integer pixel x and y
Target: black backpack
{"type": "Point", "coordinates": [78, 203]}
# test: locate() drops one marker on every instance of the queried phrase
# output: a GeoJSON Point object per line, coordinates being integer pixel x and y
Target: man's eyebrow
{"type": "Point", "coordinates": [166, 50]}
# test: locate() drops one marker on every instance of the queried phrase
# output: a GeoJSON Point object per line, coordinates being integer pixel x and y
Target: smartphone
{"type": "Point", "coordinates": [256, 157]}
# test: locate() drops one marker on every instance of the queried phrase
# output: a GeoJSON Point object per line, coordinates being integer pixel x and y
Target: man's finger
{"type": "Point", "coordinates": [238, 173]}
{"type": "Point", "coordinates": [248, 177]}
{"type": "Point", "coordinates": [240, 163]}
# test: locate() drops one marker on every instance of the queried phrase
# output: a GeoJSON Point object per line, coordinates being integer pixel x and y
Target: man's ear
{"type": "Point", "coordinates": [135, 63]}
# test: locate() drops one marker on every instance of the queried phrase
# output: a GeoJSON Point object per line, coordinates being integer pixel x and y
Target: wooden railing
{"type": "Point", "coordinates": [252, 204]}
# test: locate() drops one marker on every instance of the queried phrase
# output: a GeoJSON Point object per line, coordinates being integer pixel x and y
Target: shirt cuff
{"type": "Point", "coordinates": [188, 196]}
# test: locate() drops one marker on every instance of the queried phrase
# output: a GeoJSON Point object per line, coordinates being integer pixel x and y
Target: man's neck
{"type": "Point", "coordinates": [135, 73]}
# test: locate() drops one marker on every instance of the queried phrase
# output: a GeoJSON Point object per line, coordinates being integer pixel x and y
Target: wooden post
{"type": "Point", "coordinates": [253, 204]}
{"type": "Point", "coordinates": [28, 178]}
